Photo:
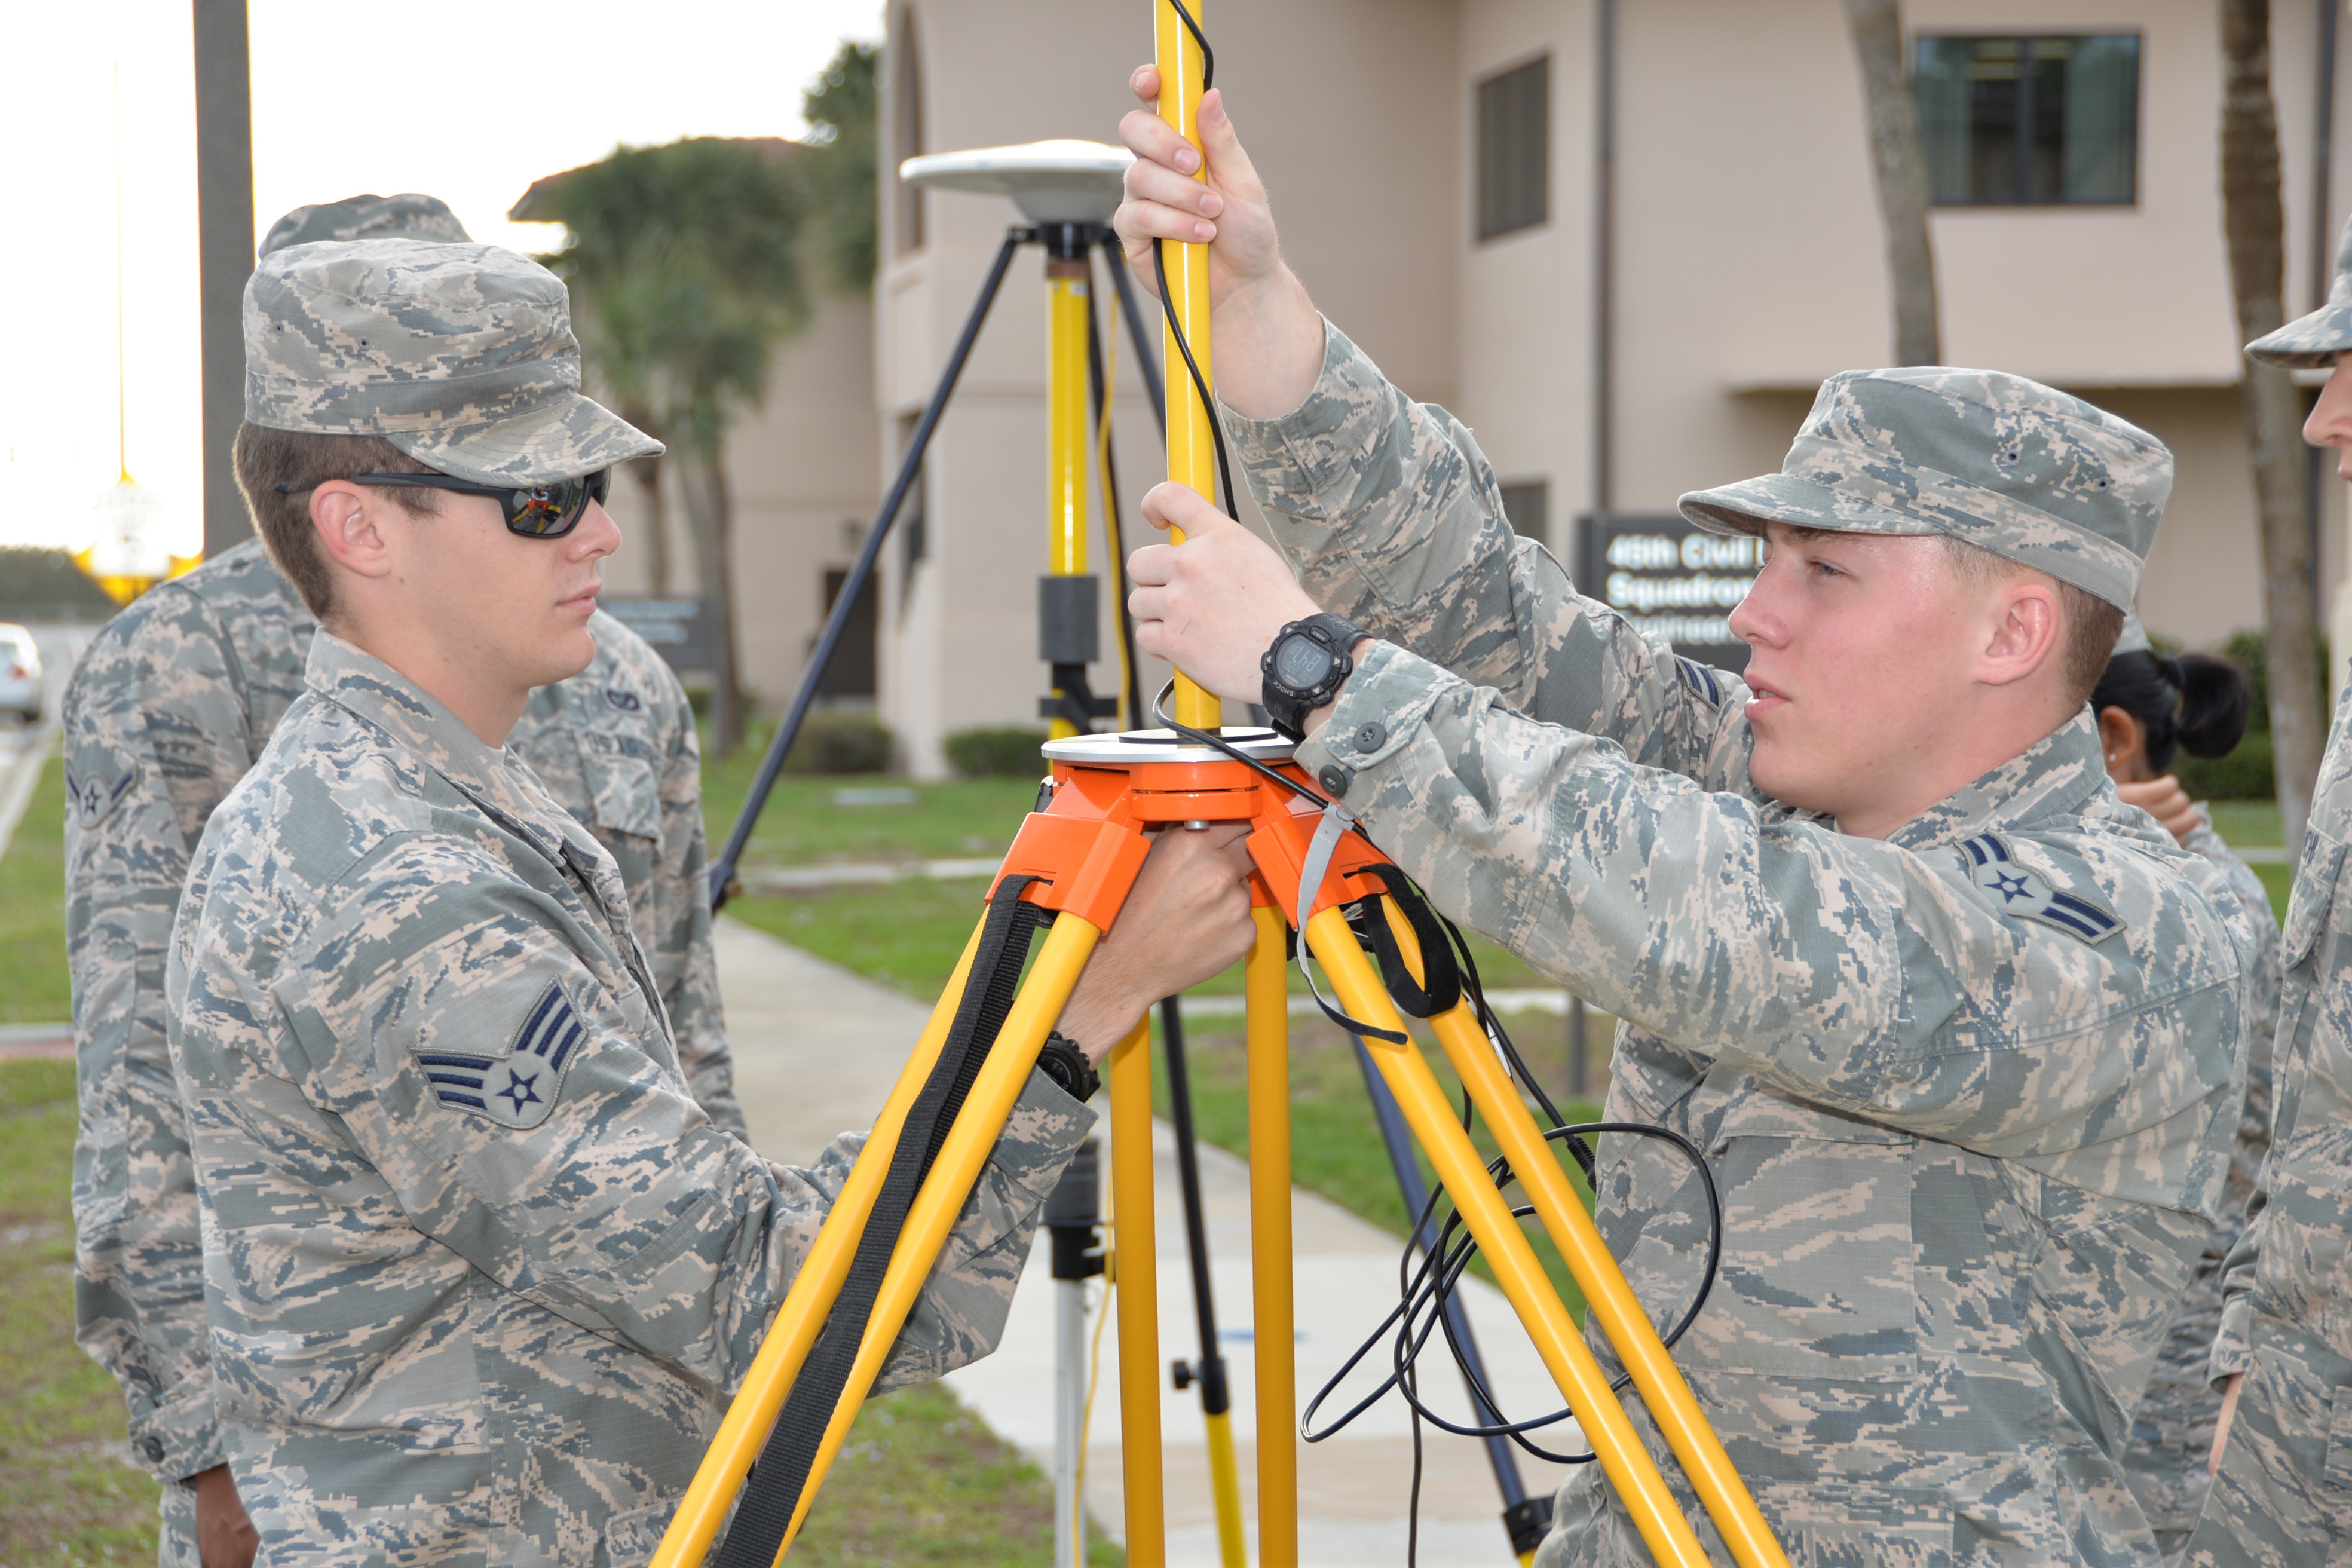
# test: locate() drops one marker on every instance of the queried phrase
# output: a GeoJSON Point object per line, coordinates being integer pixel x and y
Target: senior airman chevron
{"type": "Point", "coordinates": [521, 1089]}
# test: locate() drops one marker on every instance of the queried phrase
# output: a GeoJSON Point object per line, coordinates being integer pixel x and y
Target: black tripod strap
{"type": "Point", "coordinates": [1415, 1000]}
{"type": "Point", "coordinates": [772, 1493]}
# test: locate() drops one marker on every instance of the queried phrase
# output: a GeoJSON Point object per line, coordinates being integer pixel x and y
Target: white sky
{"type": "Point", "coordinates": [467, 100]}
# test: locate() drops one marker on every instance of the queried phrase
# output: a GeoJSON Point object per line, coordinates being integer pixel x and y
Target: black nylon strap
{"type": "Point", "coordinates": [771, 1491]}
{"type": "Point", "coordinates": [1443, 975]}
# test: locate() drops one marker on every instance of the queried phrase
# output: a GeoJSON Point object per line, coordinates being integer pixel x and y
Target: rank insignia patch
{"type": "Point", "coordinates": [2021, 893]}
{"type": "Point", "coordinates": [518, 1089]}
{"type": "Point", "coordinates": [93, 796]}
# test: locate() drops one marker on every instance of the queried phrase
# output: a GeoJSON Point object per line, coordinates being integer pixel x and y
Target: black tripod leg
{"type": "Point", "coordinates": [722, 869]}
{"type": "Point", "coordinates": [1525, 1519]}
{"type": "Point", "coordinates": [1216, 1399]}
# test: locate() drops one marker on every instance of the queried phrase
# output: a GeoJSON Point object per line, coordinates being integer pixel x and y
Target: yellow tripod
{"type": "Point", "coordinates": [1074, 863]}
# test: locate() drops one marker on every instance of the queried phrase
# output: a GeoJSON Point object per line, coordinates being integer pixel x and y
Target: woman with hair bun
{"type": "Point", "coordinates": [2151, 706]}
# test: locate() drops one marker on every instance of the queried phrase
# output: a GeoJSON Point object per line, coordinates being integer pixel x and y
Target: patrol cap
{"type": "Point", "coordinates": [408, 217]}
{"type": "Point", "coordinates": [460, 355]}
{"type": "Point", "coordinates": [2313, 341]}
{"type": "Point", "coordinates": [2001, 462]}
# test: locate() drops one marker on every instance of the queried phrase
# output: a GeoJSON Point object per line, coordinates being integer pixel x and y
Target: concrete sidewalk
{"type": "Point", "coordinates": [817, 1050]}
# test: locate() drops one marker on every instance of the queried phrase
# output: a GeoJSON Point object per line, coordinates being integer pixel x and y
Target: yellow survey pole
{"type": "Point", "coordinates": [962, 1154]}
{"type": "Point", "coordinates": [1192, 446]}
{"type": "Point", "coordinates": [744, 1430]}
{"type": "Point", "coordinates": [1628, 1465]}
{"type": "Point", "coordinates": [1067, 306]}
{"type": "Point", "coordinates": [1266, 986]}
{"type": "Point", "coordinates": [1135, 1278]}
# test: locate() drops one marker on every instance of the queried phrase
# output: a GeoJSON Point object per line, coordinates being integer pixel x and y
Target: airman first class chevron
{"type": "Point", "coordinates": [518, 1089]}
{"type": "Point", "coordinates": [2019, 892]}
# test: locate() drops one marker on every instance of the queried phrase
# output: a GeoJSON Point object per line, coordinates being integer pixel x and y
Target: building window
{"type": "Point", "coordinates": [906, 134]}
{"type": "Point", "coordinates": [1529, 507]}
{"type": "Point", "coordinates": [1515, 150]}
{"type": "Point", "coordinates": [2031, 122]}
{"type": "Point", "coordinates": [852, 673]}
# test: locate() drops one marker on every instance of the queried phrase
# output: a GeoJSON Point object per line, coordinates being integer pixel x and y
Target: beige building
{"type": "Point", "coordinates": [1610, 353]}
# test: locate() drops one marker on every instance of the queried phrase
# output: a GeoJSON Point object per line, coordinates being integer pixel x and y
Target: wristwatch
{"type": "Point", "coordinates": [1061, 1060]}
{"type": "Point", "coordinates": [1305, 668]}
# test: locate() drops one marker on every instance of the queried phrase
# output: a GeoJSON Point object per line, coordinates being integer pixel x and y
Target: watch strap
{"type": "Point", "coordinates": [1061, 1059]}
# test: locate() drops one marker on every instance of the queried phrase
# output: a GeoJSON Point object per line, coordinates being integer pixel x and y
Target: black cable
{"type": "Point", "coordinates": [1199, 382]}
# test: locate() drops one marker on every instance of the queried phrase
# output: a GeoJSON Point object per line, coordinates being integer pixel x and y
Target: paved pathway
{"type": "Point", "coordinates": [817, 1050]}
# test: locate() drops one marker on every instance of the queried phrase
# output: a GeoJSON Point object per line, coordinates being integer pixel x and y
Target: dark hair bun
{"type": "Point", "coordinates": [2214, 703]}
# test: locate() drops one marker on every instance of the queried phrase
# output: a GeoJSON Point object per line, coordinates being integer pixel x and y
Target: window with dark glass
{"type": "Point", "coordinates": [2030, 121]}
{"type": "Point", "coordinates": [1515, 150]}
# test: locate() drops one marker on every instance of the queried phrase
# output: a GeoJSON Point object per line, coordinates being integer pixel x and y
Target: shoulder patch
{"type": "Point", "coordinates": [94, 796]}
{"type": "Point", "coordinates": [2023, 895]}
{"type": "Point", "coordinates": [1700, 679]}
{"type": "Point", "coordinates": [627, 701]}
{"type": "Point", "coordinates": [519, 1089]}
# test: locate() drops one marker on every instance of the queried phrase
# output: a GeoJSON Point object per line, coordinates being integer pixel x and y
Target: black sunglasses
{"type": "Point", "coordinates": [539, 512]}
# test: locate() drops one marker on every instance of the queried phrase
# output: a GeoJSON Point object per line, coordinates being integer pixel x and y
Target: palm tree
{"type": "Point", "coordinates": [2253, 222]}
{"type": "Point", "coordinates": [1892, 114]}
{"type": "Point", "coordinates": [836, 169]}
{"type": "Point", "coordinates": [685, 261]}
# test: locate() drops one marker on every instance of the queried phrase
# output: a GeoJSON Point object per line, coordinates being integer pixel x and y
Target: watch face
{"type": "Point", "coordinates": [1300, 663]}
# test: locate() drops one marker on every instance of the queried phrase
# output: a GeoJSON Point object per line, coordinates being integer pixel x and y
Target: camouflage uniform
{"type": "Point", "coordinates": [477, 1269]}
{"type": "Point", "coordinates": [2172, 1432]}
{"type": "Point", "coordinates": [482, 1272]}
{"type": "Point", "coordinates": [2283, 1495]}
{"type": "Point", "coordinates": [1967, 1093]}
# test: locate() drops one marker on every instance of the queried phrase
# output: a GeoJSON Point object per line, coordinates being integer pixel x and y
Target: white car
{"type": "Point", "coordinates": [20, 674]}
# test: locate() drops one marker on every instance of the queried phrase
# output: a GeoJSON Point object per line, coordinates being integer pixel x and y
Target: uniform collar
{"type": "Point", "coordinates": [355, 679]}
{"type": "Point", "coordinates": [2052, 777]}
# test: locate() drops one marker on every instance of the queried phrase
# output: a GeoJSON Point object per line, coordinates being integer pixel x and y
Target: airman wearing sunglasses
{"type": "Point", "coordinates": [479, 1272]}
{"type": "Point", "coordinates": [168, 708]}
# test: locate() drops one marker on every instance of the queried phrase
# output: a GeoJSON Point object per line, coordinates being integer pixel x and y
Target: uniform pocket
{"type": "Point", "coordinates": [625, 790]}
{"type": "Point", "coordinates": [1816, 1280]}
{"type": "Point", "coordinates": [631, 1539]}
{"type": "Point", "coordinates": [2338, 1467]}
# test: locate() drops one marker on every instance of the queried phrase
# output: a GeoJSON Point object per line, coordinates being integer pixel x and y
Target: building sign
{"type": "Point", "coordinates": [1672, 580]}
{"type": "Point", "coordinates": [678, 629]}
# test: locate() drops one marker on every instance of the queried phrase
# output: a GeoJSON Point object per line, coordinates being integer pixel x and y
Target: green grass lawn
{"type": "Point", "coordinates": [71, 1495]}
{"type": "Point", "coordinates": [2248, 823]}
{"type": "Point", "coordinates": [34, 988]}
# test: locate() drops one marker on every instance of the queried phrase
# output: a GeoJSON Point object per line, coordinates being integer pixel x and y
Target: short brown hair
{"type": "Point", "coordinates": [301, 461]}
{"type": "Point", "coordinates": [2089, 623]}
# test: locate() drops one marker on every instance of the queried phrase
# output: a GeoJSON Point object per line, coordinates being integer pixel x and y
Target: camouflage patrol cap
{"type": "Point", "coordinates": [2001, 462]}
{"type": "Point", "coordinates": [405, 216]}
{"type": "Point", "coordinates": [2313, 341]}
{"type": "Point", "coordinates": [460, 355]}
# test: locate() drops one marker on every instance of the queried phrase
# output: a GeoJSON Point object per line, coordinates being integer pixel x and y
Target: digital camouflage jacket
{"type": "Point", "coordinates": [167, 709]}
{"type": "Point", "coordinates": [1968, 1093]}
{"type": "Point", "coordinates": [480, 1271]}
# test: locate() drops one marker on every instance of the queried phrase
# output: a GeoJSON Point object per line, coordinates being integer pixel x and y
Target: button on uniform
{"type": "Point", "coordinates": [1335, 778]}
{"type": "Point", "coordinates": [1370, 737]}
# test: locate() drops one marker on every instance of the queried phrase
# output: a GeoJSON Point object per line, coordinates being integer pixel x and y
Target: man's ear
{"type": "Point", "coordinates": [2027, 630]}
{"type": "Point", "coordinates": [349, 522]}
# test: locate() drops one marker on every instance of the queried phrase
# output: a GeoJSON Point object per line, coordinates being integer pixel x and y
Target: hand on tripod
{"type": "Point", "coordinates": [1188, 917]}
{"type": "Point", "coordinates": [1269, 338]}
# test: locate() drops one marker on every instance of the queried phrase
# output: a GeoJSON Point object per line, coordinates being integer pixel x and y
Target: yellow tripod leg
{"type": "Point", "coordinates": [1664, 1392]}
{"type": "Point", "coordinates": [1226, 1488]}
{"type": "Point", "coordinates": [744, 1430]}
{"type": "Point", "coordinates": [1570, 1360]}
{"type": "Point", "coordinates": [1135, 1275]}
{"type": "Point", "coordinates": [1266, 983]}
{"type": "Point", "coordinates": [962, 1154]}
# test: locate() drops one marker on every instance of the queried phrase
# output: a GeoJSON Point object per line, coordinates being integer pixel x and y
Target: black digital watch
{"type": "Point", "coordinates": [1061, 1060]}
{"type": "Point", "coordinates": [1305, 668]}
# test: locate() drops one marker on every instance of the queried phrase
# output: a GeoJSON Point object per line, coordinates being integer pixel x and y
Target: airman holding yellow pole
{"type": "Point", "coordinates": [1962, 1036]}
